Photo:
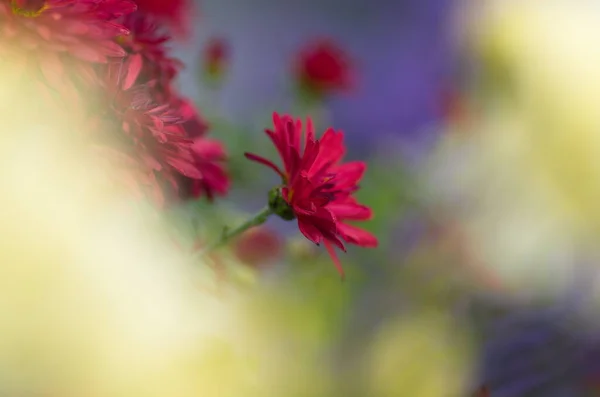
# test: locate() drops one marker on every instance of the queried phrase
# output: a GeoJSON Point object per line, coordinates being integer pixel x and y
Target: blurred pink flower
{"type": "Point", "coordinates": [209, 158]}
{"type": "Point", "coordinates": [258, 247]}
{"type": "Point", "coordinates": [215, 59]}
{"type": "Point", "coordinates": [322, 67]}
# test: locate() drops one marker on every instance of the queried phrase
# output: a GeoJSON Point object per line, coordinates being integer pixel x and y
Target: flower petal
{"type": "Point", "coordinates": [357, 236]}
{"type": "Point", "coordinates": [263, 161]}
{"type": "Point", "coordinates": [335, 259]}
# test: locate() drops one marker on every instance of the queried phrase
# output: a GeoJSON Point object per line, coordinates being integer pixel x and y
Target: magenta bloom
{"type": "Point", "coordinates": [152, 133]}
{"type": "Point", "coordinates": [322, 67]}
{"type": "Point", "coordinates": [317, 186]}
{"type": "Point", "coordinates": [84, 30]}
{"type": "Point", "coordinates": [209, 158]}
{"type": "Point", "coordinates": [59, 42]}
{"type": "Point", "coordinates": [145, 130]}
{"type": "Point", "coordinates": [194, 124]}
{"type": "Point", "coordinates": [158, 69]}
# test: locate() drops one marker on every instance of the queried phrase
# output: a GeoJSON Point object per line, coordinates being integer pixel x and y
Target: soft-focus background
{"type": "Point", "coordinates": [479, 123]}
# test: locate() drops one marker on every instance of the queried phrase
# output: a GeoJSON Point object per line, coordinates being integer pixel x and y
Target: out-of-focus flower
{"type": "Point", "coordinates": [209, 157]}
{"type": "Point", "coordinates": [200, 160]}
{"type": "Point", "coordinates": [483, 391]}
{"type": "Point", "coordinates": [258, 247]}
{"type": "Point", "coordinates": [175, 13]}
{"type": "Point", "coordinates": [58, 41]}
{"type": "Point", "coordinates": [159, 70]}
{"type": "Point", "coordinates": [150, 133]}
{"type": "Point", "coordinates": [322, 67]}
{"type": "Point", "coordinates": [194, 124]}
{"type": "Point", "coordinates": [456, 109]}
{"type": "Point", "coordinates": [317, 187]}
{"type": "Point", "coordinates": [146, 39]}
{"type": "Point", "coordinates": [215, 60]}
{"type": "Point", "coordinates": [83, 262]}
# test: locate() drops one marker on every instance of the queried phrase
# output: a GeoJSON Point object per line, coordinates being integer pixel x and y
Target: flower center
{"type": "Point", "coordinates": [28, 8]}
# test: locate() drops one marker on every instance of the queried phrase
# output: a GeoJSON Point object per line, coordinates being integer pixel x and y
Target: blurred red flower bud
{"type": "Point", "coordinates": [258, 247]}
{"type": "Point", "coordinates": [215, 59]}
{"type": "Point", "coordinates": [322, 67]}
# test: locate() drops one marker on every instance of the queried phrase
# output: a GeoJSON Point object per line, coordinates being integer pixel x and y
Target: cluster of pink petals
{"type": "Point", "coordinates": [58, 39]}
{"type": "Point", "coordinates": [147, 40]}
{"type": "Point", "coordinates": [317, 186]}
{"type": "Point", "coordinates": [159, 128]}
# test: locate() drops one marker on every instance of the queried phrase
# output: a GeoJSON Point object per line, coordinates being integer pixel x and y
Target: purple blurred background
{"type": "Point", "coordinates": [402, 52]}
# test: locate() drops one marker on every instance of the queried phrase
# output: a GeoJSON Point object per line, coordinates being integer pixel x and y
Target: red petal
{"type": "Point", "coordinates": [310, 231]}
{"type": "Point", "coordinates": [350, 210]}
{"type": "Point", "coordinates": [185, 168]}
{"type": "Point", "coordinates": [86, 53]}
{"type": "Point", "coordinates": [134, 67]}
{"type": "Point", "coordinates": [335, 259]}
{"type": "Point", "coordinates": [357, 236]}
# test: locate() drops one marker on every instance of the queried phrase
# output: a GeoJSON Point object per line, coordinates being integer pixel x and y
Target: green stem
{"type": "Point", "coordinates": [229, 234]}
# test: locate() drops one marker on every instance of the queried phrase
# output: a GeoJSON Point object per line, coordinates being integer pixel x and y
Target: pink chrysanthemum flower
{"type": "Point", "coordinates": [209, 158]}
{"type": "Point", "coordinates": [159, 70]}
{"type": "Point", "coordinates": [317, 187]}
{"type": "Point", "coordinates": [147, 40]}
{"type": "Point", "coordinates": [148, 131]}
{"type": "Point", "coordinates": [60, 39]}
{"type": "Point", "coordinates": [194, 124]}
{"type": "Point", "coordinates": [166, 158]}
{"type": "Point", "coordinates": [323, 67]}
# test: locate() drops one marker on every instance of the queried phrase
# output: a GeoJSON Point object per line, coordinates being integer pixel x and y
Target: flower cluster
{"type": "Point", "coordinates": [317, 187]}
{"type": "Point", "coordinates": [118, 53]}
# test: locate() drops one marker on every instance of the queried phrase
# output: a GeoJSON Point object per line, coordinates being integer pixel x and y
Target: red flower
{"type": "Point", "coordinates": [59, 38]}
{"type": "Point", "coordinates": [163, 124]}
{"type": "Point", "coordinates": [216, 59]}
{"type": "Point", "coordinates": [158, 69]}
{"type": "Point", "coordinates": [193, 123]}
{"type": "Point", "coordinates": [258, 247]}
{"type": "Point", "coordinates": [323, 67]}
{"type": "Point", "coordinates": [317, 188]}
{"type": "Point", "coordinates": [175, 13]}
{"type": "Point", "coordinates": [150, 133]}
{"type": "Point", "coordinates": [209, 157]}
